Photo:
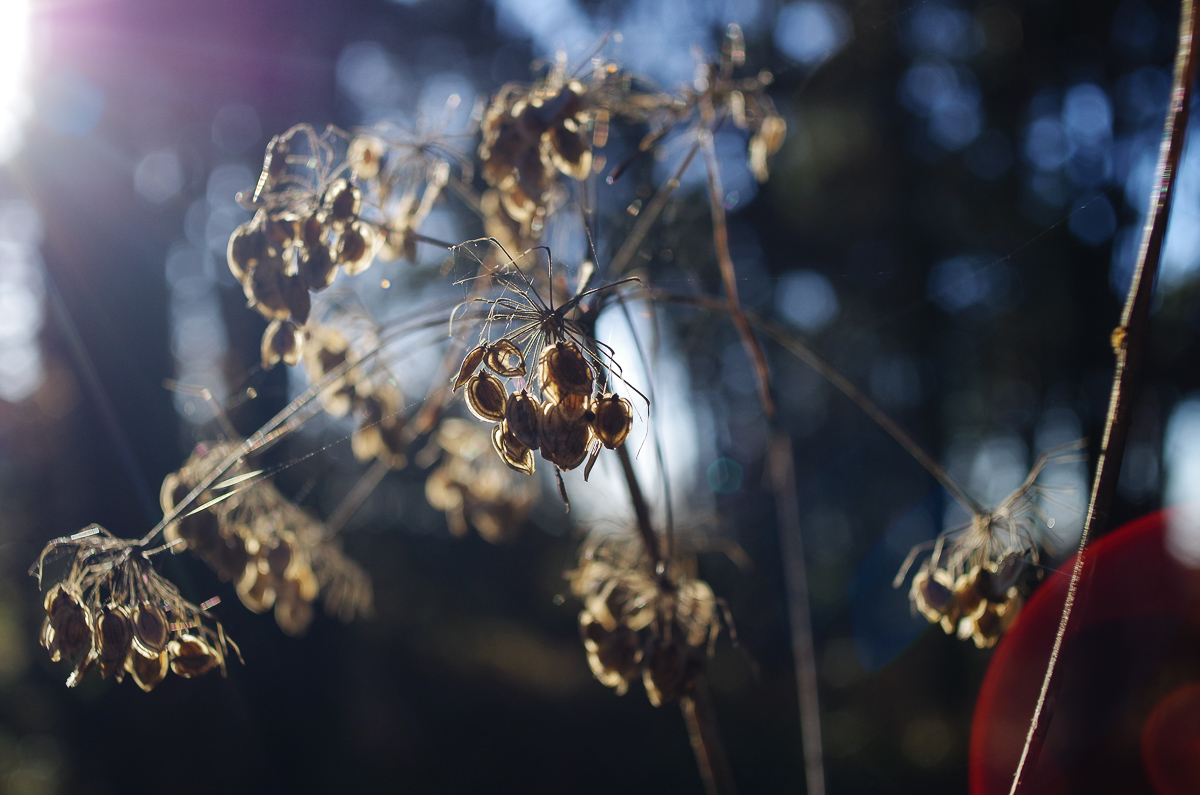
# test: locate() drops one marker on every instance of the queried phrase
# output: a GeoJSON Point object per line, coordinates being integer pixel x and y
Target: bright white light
{"type": "Point", "coordinates": [14, 67]}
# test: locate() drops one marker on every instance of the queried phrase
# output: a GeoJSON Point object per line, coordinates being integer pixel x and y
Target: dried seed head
{"type": "Point", "coordinates": [613, 420]}
{"type": "Point", "coordinates": [114, 640]}
{"type": "Point", "coordinates": [343, 201]}
{"type": "Point", "coordinates": [766, 142]}
{"type": "Point", "coordinates": [511, 450]}
{"type": "Point", "coordinates": [281, 341]}
{"type": "Point", "coordinates": [966, 594]}
{"type": "Point", "coordinates": [150, 629]}
{"type": "Point", "coordinates": [192, 656]}
{"type": "Point", "coordinates": [470, 364]}
{"type": "Point", "coordinates": [147, 671]}
{"type": "Point", "coordinates": [563, 371]}
{"type": "Point", "coordinates": [564, 438]}
{"type": "Point", "coordinates": [505, 359]}
{"type": "Point", "coordinates": [356, 248]}
{"type": "Point", "coordinates": [932, 593]}
{"type": "Point", "coordinates": [486, 397]}
{"type": "Point", "coordinates": [614, 656]}
{"type": "Point", "coordinates": [523, 416]}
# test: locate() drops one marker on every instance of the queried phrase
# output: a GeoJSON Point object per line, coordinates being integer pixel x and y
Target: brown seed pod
{"type": "Point", "coordinates": [254, 588]}
{"type": "Point", "coordinates": [281, 231]}
{"type": "Point", "coordinates": [523, 416]}
{"type": "Point", "coordinates": [68, 632]}
{"type": "Point", "coordinates": [615, 656]}
{"type": "Point", "coordinates": [273, 293]}
{"type": "Point", "coordinates": [247, 245]}
{"type": "Point", "coordinates": [470, 364]}
{"type": "Point", "coordinates": [343, 201]}
{"type": "Point", "coordinates": [613, 420]}
{"type": "Point", "coordinates": [365, 155]}
{"type": "Point", "coordinates": [293, 613]}
{"type": "Point", "coordinates": [932, 593]}
{"type": "Point", "coordinates": [505, 359]}
{"type": "Point", "coordinates": [486, 397]}
{"type": "Point", "coordinates": [564, 438]}
{"type": "Point", "coordinates": [281, 342]}
{"type": "Point", "coordinates": [114, 640]}
{"type": "Point", "coordinates": [147, 671]}
{"type": "Point", "coordinates": [317, 268]}
{"type": "Point", "coordinates": [356, 248]}
{"type": "Point", "coordinates": [150, 629]}
{"type": "Point", "coordinates": [563, 371]}
{"type": "Point", "coordinates": [192, 656]}
{"type": "Point", "coordinates": [279, 557]}
{"type": "Point", "coordinates": [313, 231]}
{"type": "Point", "coordinates": [511, 451]}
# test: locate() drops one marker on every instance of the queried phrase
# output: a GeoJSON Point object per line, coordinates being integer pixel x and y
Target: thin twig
{"type": "Point", "coordinates": [787, 510]}
{"type": "Point", "coordinates": [648, 216]}
{"type": "Point", "coordinates": [641, 509]}
{"type": "Point", "coordinates": [701, 723]}
{"type": "Point", "coordinates": [1128, 341]}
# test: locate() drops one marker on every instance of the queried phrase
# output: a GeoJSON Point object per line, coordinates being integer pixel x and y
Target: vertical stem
{"type": "Point", "coordinates": [1128, 341]}
{"type": "Point", "coordinates": [787, 510]}
{"type": "Point", "coordinates": [701, 722]}
{"type": "Point", "coordinates": [641, 509]}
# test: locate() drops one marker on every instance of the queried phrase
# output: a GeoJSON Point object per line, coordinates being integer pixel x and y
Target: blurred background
{"type": "Point", "coordinates": [951, 221]}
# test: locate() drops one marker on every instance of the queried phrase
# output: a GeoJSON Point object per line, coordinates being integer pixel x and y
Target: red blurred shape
{"type": "Point", "coordinates": [1128, 642]}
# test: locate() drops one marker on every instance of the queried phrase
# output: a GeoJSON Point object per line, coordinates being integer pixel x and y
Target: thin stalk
{"type": "Point", "coordinates": [802, 351]}
{"type": "Point", "coordinates": [1128, 341]}
{"type": "Point", "coordinates": [729, 275]}
{"type": "Point", "coordinates": [641, 509]}
{"type": "Point", "coordinates": [787, 509]}
{"type": "Point", "coordinates": [647, 218]}
{"type": "Point", "coordinates": [701, 723]}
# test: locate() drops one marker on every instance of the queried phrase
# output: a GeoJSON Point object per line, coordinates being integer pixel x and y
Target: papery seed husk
{"type": "Point", "coordinates": [147, 671]}
{"type": "Point", "coordinates": [614, 657]}
{"type": "Point", "coordinates": [297, 298]}
{"type": "Point", "coordinates": [932, 593]}
{"type": "Point", "coordinates": [150, 629]}
{"type": "Point", "coordinates": [667, 669]}
{"type": "Point", "coordinates": [192, 656]}
{"type": "Point", "coordinates": [265, 288]}
{"type": "Point", "coordinates": [281, 341]}
{"type": "Point", "coordinates": [114, 640]}
{"type": "Point", "coordinates": [281, 231]}
{"type": "Point", "coordinates": [343, 201]}
{"type": "Point", "coordinates": [247, 245]}
{"type": "Point", "coordinates": [356, 248]}
{"type": "Point", "coordinates": [564, 439]}
{"type": "Point", "coordinates": [613, 420]}
{"type": "Point", "coordinates": [563, 370]}
{"type": "Point", "coordinates": [969, 599]}
{"type": "Point", "coordinates": [293, 613]}
{"type": "Point", "coordinates": [486, 397]}
{"type": "Point", "coordinates": [365, 154]}
{"type": "Point", "coordinates": [255, 590]}
{"type": "Point", "coordinates": [523, 415]}
{"type": "Point", "coordinates": [313, 231]}
{"type": "Point", "coordinates": [498, 356]}
{"type": "Point", "coordinates": [470, 364]}
{"type": "Point", "coordinates": [70, 635]}
{"type": "Point", "coordinates": [279, 557]}
{"type": "Point", "coordinates": [516, 455]}
{"type": "Point", "coordinates": [317, 268]}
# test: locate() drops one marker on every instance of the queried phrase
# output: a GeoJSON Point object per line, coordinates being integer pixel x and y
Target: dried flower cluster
{"type": "Point", "coordinates": [276, 554]}
{"type": "Point", "coordinates": [111, 610]}
{"type": "Point", "coordinates": [635, 621]}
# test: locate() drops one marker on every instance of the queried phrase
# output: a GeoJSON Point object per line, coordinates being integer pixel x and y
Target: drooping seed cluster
{"type": "Point", "coordinates": [635, 622]}
{"type": "Point", "coordinates": [307, 227]}
{"type": "Point", "coordinates": [113, 611]}
{"type": "Point", "coordinates": [369, 393]}
{"type": "Point", "coordinates": [564, 424]}
{"type": "Point", "coordinates": [277, 554]}
{"type": "Point", "coordinates": [473, 488]}
{"type": "Point", "coordinates": [980, 604]}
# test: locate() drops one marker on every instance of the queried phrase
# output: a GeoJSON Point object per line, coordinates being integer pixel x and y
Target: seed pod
{"type": "Point", "coordinates": [147, 671]}
{"type": "Point", "coordinates": [932, 593]}
{"type": "Point", "coordinates": [69, 634]}
{"type": "Point", "coordinates": [247, 245]}
{"type": "Point", "coordinates": [317, 268]}
{"type": "Point", "coordinates": [254, 588]}
{"type": "Point", "coordinates": [486, 397]}
{"type": "Point", "coordinates": [313, 231]}
{"type": "Point", "coordinates": [613, 420]}
{"type": "Point", "coordinates": [523, 416]}
{"type": "Point", "coordinates": [505, 359]}
{"type": "Point", "coordinates": [192, 656]}
{"type": "Point", "coordinates": [668, 669]}
{"type": "Point", "coordinates": [511, 451]}
{"type": "Point", "coordinates": [356, 248]}
{"type": "Point", "coordinates": [293, 613]}
{"type": "Point", "coordinates": [281, 232]}
{"type": "Point", "coordinates": [343, 201]}
{"type": "Point", "coordinates": [281, 341]}
{"type": "Point", "coordinates": [114, 640]}
{"type": "Point", "coordinates": [279, 557]}
{"type": "Point", "coordinates": [564, 438]}
{"type": "Point", "coordinates": [966, 593]}
{"type": "Point", "coordinates": [563, 371]}
{"type": "Point", "coordinates": [150, 629]}
{"type": "Point", "coordinates": [365, 154]}
{"type": "Point", "coordinates": [268, 289]}
{"type": "Point", "coordinates": [614, 657]}
{"type": "Point", "coordinates": [469, 365]}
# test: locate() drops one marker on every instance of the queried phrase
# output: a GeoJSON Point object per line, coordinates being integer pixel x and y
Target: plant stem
{"type": "Point", "coordinates": [706, 740]}
{"type": "Point", "coordinates": [787, 511]}
{"type": "Point", "coordinates": [641, 509]}
{"type": "Point", "coordinates": [1128, 341]}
